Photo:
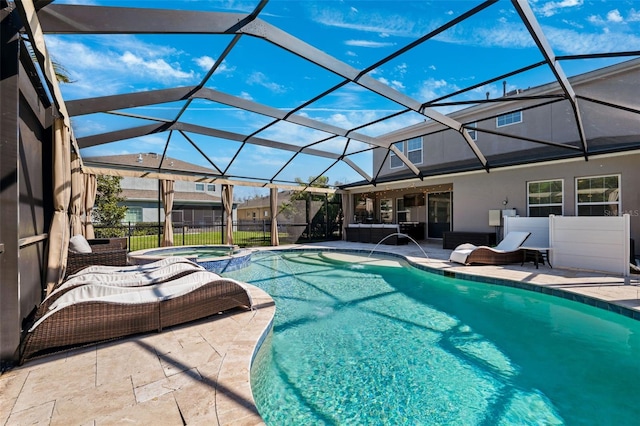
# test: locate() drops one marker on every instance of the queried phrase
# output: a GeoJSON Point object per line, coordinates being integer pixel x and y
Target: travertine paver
{"type": "Point", "coordinates": [200, 373]}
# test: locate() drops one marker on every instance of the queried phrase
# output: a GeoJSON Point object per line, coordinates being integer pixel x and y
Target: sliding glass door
{"type": "Point", "coordinates": [439, 207]}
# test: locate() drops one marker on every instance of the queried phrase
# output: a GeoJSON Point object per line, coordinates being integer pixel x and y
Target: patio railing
{"type": "Point", "coordinates": [245, 233]}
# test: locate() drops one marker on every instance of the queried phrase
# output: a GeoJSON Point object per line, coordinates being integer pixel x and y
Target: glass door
{"type": "Point", "coordinates": [439, 214]}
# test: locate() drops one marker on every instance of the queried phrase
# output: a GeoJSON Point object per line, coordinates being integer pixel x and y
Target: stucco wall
{"type": "Point", "coordinates": [554, 122]}
{"type": "Point", "coordinates": [476, 193]}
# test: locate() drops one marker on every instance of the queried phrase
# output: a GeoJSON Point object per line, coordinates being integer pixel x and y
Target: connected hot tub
{"type": "Point", "coordinates": [215, 258]}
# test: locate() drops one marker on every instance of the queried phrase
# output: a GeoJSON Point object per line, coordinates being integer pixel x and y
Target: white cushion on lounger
{"type": "Point", "coordinates": [157, 292]}
{"type": "Point", "coordinates": [101, 269]}
{"type": "Point", "coordinates": [130, 279]}
{"type": "Point", "coordinates": [462, 252]}
{"type": "Point", "coordinates": [79, 244]}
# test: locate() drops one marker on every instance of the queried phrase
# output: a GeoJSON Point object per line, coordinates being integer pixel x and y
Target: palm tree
{"type": "Point", "coordinates": [62, 75]}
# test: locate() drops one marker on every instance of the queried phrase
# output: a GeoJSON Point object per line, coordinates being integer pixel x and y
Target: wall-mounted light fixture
{"type": "Point", "coordinates": [505, 201]}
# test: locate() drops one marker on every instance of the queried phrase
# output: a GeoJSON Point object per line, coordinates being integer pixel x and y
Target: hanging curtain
{"type": "Point", "coordinates": [77, 195]}
{"type": "Point", "coordinates": [167, 202]}
{"type": "Point", "coordinates": [227, 202]}
{"type": "Point", "coordinates": [90, 189]}
{"type": "Point", "coordinates": [59, 230]}
{"type": "Point", "coordinates": [275, 238]}
{"type": "Point", "coordinates": [347, 210]}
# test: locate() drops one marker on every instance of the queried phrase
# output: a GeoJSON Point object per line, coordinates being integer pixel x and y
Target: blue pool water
{"type": "Point", "coordinates": [364, 344]}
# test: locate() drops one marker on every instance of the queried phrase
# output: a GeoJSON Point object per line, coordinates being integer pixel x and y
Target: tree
{"type": "Point", "coordinates": [109, 210]}
{"type": "Point", "coordinates": [62, 75]}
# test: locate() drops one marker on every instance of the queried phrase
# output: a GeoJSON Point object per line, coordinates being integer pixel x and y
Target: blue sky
{"type": "Point", "coordinates": [358, 33]}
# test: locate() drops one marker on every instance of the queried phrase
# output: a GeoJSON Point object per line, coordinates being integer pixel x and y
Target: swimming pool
{"type": "Point", "coordinates": [381, 343]}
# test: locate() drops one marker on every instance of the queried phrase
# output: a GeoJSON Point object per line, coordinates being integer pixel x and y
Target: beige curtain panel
{"type": "Point", "coordinates": [275, 238]}
{"type": "Point", "coordinates": [167, 202]}
{"type": "Point", "coordinates": [59, 230]}
{"type": "Point", "coordinates": [347, 209]}
{"type": "Point", "coordinates": [90, 189]}
{"type": "Point", "coordinates": [227, 202]}
{"type": "Point", "coordinates": [77, 195]}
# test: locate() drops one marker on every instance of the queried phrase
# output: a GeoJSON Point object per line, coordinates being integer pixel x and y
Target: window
{"type": "Point", "coordinates": [509, 118]}
{"type": "Point", "coordinates": [133, 214]}
{"type": "Point", "coordinates": [598, 196]}
{"type": "Point", "coordinates": [545, 198]}
{"type": "Point", "coordinates": [395, 161]}
{"type": "Point", "coordinates": [472, 132]}
{"type": "Point", "coordinates": [363, 210]}
{"type": "Point", "coordinates": [266, 213]}
{"type": "Point", "coordinates": [199, 186]}
{"type": "Point", "coordinates": [211, 188]}
{"type": "Point", "coordinates": [414, 150]}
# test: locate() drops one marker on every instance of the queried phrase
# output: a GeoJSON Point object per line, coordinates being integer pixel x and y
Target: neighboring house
{"type": "Point", "coordinates": [195, 203]}
{"type": "Point", "coordinates": [526, 178]}
{"type": "Point", "coordinates": [259, 208]}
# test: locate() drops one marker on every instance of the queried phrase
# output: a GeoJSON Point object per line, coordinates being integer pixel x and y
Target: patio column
{"type": "Point", "coordinates": [90, 189]}
{"type": "Point", "coordinates": [227, 202]}
{"type": "Point", "coordinates": [59, 230]}
{"type": "Point", "coordinates": [77, 195]}
{"type": "Point", "coordinates": [167, 202]}
{"type": "Point", "coordinates": [275, 238]}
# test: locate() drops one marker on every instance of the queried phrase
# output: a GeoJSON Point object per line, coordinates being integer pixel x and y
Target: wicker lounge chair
{"type": "Point", "coordinates": [507, 251]}
{"type": "Point", "coordinates": [94, 313]}
{"type": "Point", "coordinates": [134, 278]}
{"type": "Point", "coordinates": [104, 251]}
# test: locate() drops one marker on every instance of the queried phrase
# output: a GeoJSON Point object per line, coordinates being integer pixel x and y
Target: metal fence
{"type": "Point", "coordinates": [245, 233]}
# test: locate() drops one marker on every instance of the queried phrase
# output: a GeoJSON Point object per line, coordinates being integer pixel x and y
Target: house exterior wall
{"type": "Point", "coordinates": [475, 193]}
{"type": "Point", "coordinates": [178, 186]}
{"type": "Point", "coordinates": [554, 122]}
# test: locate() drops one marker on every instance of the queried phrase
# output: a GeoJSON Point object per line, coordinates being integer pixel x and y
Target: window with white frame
{"type": "Point", "coordinates": [598, 196]}
{"type": "Point", "coordinates": [509, 118]}
{"type": "Point", "coordinates": [133, 215]}
{"type": "Point", "coordinates": [472, 132]}
{"type": "Point", "coordinates": [211, 188]}
{"type": "Point", "coordinates": [545, 197]}
{"type": "Point", "coordinates": [200, 187]}
{"type": "Point", "coordinates": [414, 150]}
{"type": "Point", "coordinates": [396, 162]}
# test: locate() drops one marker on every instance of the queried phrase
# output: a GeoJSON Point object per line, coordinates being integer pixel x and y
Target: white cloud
{"type": "Point", "coordinates": [206, 62]}
{"type": "Point", "coordinates": [367, 43]}
{"type": "Point", "coordinates": [434, 88]}
{"type": "Point", "coordinates": [260, 79]}
{"type": "Point", "coordinates": [246, 95]}
{"type": "Point", "coordinates": [158, 67]}
{"type": "Point", "coordinates": [373, 22]}
{"type": "Point", "coordinates": [101, 65]}
{"type": "Point", "coordinates": [634, 16]}
{"type": "Point", "coordinates": [574, 42]}
{"type": "Point", "coordinates": [553, 7]}
{"type": "Point", "coordinates": [614, 16]}
{"type": "Point", "coordinates": [398, 85]}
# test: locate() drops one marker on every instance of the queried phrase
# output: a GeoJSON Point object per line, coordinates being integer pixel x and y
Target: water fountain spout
{"type": "Point", "coordinates": [399, 234]}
